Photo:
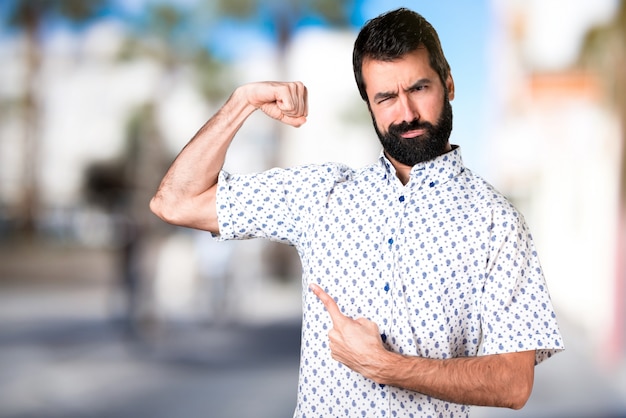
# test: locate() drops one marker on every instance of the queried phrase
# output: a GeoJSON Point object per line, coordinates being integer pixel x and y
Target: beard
{"type": "Point", "coordinates": [411, 151]}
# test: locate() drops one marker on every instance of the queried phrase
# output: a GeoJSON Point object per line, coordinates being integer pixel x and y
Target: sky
{"type": "Point", "coordinates": [463, 27]}
{"type": "Point", "coordinates": [233, 42]}
{"type": "Point", "coordinates": [466, 29]}
{"type": "Point", "coordinates": [554, 32]}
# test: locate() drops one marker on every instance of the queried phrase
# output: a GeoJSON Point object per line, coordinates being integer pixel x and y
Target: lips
{"type": "Point", "coordinates": [413, 133]}
{"type": "Point", "coordinates": [410, 130]}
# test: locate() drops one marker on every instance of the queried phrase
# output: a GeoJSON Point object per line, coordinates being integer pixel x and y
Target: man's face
{"type": "Point", "coordinates": [410, 107]}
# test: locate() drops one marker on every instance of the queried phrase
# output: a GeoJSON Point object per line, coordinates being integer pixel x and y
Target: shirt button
{"type": "Point", "coordinates": [401, 199]}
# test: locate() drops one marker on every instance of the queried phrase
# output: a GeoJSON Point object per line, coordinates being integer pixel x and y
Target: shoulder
{"type": "Point", "coordinates": [484, 191]}
{"type": "Point", "coordinates": [327, 170]}
{"type": "Point", "coordinates": [305, 173]}
{"type": "Point", "coordinates": [301, 180]}
{"type": "Point", "coordinates": [495, 209]}
{"type": "Point", "coordinates": [313, 175]}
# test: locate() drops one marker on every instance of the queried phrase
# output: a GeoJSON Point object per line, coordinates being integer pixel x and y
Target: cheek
{"type": "Point", "coordinates": [383, 118]}
{"type": "Point", "coordinates": [433, 109]}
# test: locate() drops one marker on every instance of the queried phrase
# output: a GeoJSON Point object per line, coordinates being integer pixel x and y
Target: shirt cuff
{"type": "Point", "coordinates": [223, 208]}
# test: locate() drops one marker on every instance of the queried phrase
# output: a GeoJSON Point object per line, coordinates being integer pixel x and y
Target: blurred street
{"type": "Point", "coordinates": [63, 353]}
{"type": "Point", "coordinates": [105, 311]}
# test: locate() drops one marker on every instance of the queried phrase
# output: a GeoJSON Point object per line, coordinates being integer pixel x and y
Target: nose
{"type": "Point", "coordinates": [408, 109]}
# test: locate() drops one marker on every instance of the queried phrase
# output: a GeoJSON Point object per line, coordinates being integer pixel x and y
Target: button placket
{"type": "Point", "coordinates": [393, 224]}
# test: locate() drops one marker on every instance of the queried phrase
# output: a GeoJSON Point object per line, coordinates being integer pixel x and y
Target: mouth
{"type": "Point", "coordinates": [413, 133]}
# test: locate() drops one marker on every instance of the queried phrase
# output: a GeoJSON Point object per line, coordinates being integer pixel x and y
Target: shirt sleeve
{"type": "Point", "coordinates": [517, 311]}
{"type": "Point", "coordinates": [277, 204]}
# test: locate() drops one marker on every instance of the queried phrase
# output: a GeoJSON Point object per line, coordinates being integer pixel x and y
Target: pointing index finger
{"type": "Point", "coordinates": [329, 303]}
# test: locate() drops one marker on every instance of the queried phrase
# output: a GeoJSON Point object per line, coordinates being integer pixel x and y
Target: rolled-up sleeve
{"type": "Point", "coordinates": [276, 204]}
{"type": "Point", "coordinates": [517, 311]}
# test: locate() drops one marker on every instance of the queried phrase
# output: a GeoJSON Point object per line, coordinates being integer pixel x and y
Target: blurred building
{"type": "Point", "coordinates": [555, 147]}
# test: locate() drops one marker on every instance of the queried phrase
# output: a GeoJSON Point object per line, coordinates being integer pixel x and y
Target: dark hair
{"type": "Point", "coordinates": [391, 36]}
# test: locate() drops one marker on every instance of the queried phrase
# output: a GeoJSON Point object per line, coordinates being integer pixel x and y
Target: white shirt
{"type": "Point", "coordinates": [444, 265]}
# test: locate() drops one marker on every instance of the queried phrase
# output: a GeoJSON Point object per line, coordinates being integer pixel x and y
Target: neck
{"type": "Point", "coordinates": [403, 171]}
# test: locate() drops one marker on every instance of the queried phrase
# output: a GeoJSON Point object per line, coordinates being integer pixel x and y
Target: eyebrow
{"type": "Point", "coordinates": [389, 94]}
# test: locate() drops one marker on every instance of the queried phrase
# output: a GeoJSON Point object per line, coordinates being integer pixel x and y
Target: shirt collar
{"type": "Point", "coordinates": [430, 173]}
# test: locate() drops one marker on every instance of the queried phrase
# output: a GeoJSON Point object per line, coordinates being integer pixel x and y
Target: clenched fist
{"type": "Point", "coordinates": [283, 101]}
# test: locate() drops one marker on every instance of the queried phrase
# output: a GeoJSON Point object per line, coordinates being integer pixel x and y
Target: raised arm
{"type": "Point", "coordinates": [186, 195]}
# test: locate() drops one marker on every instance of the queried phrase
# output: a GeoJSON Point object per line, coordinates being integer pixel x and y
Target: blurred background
{"type": "Point", "coordinates": [105, 311]}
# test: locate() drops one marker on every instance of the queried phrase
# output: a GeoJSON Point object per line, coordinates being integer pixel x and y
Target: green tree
{"type": "Point", "coordinates": [170, 35]}
{"type": "Point", "coordinates": [29, 17]}
{"type": "Point", "coordinates": [121, 187]}
{"type": "Point", "coordinates": [167, 35]}
{"type": "Point", "coordinates": [285, 16]}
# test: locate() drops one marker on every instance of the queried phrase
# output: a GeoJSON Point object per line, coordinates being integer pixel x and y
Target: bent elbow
{"type": "Point", "coordinates": [518, 404]}
{"type": "Point", "coordinates": [196, 213]}
{"type": "Point", "coordinates": [520, 394]}
{"type": "Point", "coordinates": [162, 210]}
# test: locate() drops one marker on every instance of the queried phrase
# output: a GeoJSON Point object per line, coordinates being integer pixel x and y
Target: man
{"type": "Point", "coordinates": [432, 296]}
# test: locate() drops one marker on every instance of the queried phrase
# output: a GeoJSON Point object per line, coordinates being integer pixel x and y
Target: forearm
{"type": "Point", "coordinates": [503, 380]}
{"type": "Point", "coordinates": [187, 194]}
{"type": "Point", "coordinates": [189, 183]}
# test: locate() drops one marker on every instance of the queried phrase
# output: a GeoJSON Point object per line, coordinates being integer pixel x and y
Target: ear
{"type": "Point", "coordinates": [450, 86]}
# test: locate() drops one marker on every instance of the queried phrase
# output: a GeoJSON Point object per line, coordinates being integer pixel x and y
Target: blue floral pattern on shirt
{"type": "Point", "coordinates": [445, 265]}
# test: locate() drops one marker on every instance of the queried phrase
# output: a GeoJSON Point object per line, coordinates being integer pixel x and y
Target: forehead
{"type": "Point", "coordinates": [402, 72]}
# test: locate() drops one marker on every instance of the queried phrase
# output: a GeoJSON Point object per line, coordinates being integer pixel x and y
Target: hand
{"type": "Point", "coordinates": [286, 102]}
{"type": "Point", "coordinates": [354, 342]}
{"type": "Point", "coordinates": [490, 380]}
